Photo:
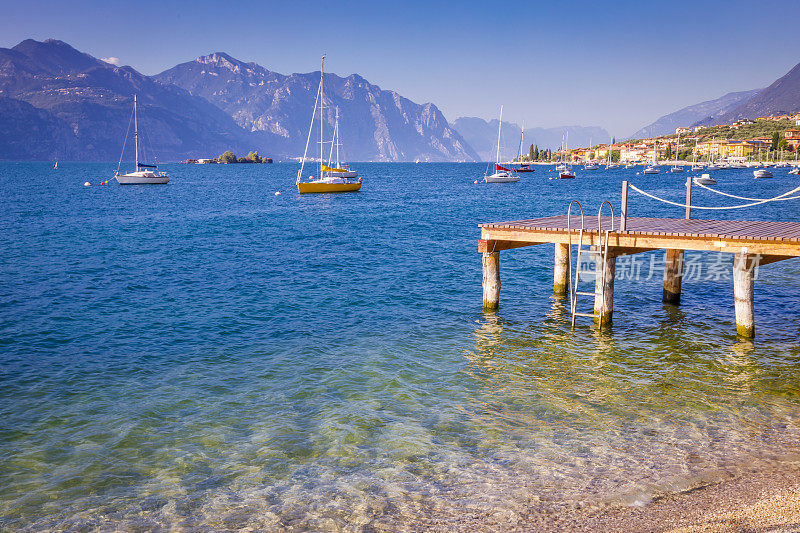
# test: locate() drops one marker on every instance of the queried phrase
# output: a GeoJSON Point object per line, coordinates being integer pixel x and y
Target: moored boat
{"type": "Point", "coordinates": [525, 167]}
{"type": "Point", "coordinates": [564, 170]}
{"type": "Point", "coordinates": [705, 179]}
{"type": "Point", "coordinates": [762, 173]}
{"type": "Point", "coordinates": [329, 179]}
{"type": "Point", "coordinates": [144, 174]}
{"type": "Point", "coordinates": [501, 174]}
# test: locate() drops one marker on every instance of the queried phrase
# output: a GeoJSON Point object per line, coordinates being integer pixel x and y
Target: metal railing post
{"type": "Point", "coordinates": [688, 197]}
{"type": "Point", "coordinates": [623, 216]}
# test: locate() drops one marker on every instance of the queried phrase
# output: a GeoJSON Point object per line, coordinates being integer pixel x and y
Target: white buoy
{"type": "Point", "coordinates": [86, 184]}
{"type": "Point", "coordinates": [277, 193]}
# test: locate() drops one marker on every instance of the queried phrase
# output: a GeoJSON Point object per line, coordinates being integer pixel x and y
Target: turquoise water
{"type": "Point", "coordinates": [209, 355]}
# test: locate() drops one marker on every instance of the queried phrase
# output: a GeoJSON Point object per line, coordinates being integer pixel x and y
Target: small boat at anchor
{"type": "Point", "coordinates": [762, 173]}
{"type": "Point", "coordinates": [653, 168]}
{"type": "Point", "coordinates": [330, 179]}
{"type": "Point", "coordinates": [144, 174]}
{"type": "Point", "coordinates": [523, 167]}
{"type": "Point", "coordinates": [501, 174]}
{"type": "Point", "coordinates": [565, 171]}
{"type": "Point", "coordinates": [705, 179]}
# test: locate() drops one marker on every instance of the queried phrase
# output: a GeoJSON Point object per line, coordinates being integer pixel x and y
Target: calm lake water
{"type": "Point", "coordinates": [208, 355]}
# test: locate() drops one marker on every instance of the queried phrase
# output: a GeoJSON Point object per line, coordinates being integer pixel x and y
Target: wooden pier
{"type": "Point", "coordinates": [752, 243]}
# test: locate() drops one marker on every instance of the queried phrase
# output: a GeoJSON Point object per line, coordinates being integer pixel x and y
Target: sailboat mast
{"type": "Point", "coordinates": [135, 132]}
{"type": "Point", "coordinates": [321, 104]}
{"type": "Point", "coordinates": [337, 137]}
{"type": "Point", "coordinates": [497, 159]}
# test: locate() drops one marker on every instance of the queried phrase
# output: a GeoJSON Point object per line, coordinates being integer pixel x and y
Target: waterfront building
{"type": "Point", "coordinates": [723, 148]}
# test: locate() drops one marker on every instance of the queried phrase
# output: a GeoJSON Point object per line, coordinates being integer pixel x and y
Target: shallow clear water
{"type": "Point", "coordinates": [210, 355]}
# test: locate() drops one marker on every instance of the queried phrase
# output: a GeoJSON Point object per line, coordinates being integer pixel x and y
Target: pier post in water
{"type": "Point", "coordinates": [561, 270]}
{"type": "Point", "coordinates": [673, 273]}
{"type": "Point", "coordinates": [491, 281]}
{"type": "Point", "coordinates": [604, 290]}
{"type": "Point", "coordinates": [743, 266]}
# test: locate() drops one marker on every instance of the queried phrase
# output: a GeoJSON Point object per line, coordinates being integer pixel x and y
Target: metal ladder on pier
{"type": "Point", "coordinates": [598, 251]}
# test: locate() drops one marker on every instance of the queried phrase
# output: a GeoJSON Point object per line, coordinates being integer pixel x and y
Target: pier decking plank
{"type": "Point", "coordinates": [757, 236]}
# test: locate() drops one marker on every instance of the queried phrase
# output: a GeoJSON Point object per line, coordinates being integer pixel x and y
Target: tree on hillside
{"type": "Point", "coordinates": [227, 157]}
{"type": "Point", "coordinates": [668, 152]}
{"type": "Point", "coordinates": [776, 139]}
{"type": "Point", "coordinates": [536, 152]}
{"type": "Point", "coordinates": [254, 157]}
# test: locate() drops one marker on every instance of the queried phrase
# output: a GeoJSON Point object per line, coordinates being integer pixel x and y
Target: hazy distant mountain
{"type": "Point", "coordinates": [711, 110]}
{"type": "Point", "coordinates": [374, 124]}
{"type": "Point", "coordinates": [482, 136]}
{"type": "Point", "coordinates": [782, 97]}
{"type": "Point", "coordinates": [60, 103]}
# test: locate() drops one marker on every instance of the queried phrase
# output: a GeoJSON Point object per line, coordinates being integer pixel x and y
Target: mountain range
{"type": "Point", "coordinates": [711, 110]}
{"type": "Point", "coordinates": [375, 124]}
{"type": "Point", "coordinates": [482, 136]}
{"type": "Point", "coordinates": [780, 98]}
{"type": "Point", "coordinates": [59, 103]}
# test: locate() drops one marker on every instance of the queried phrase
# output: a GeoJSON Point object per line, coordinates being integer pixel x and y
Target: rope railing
{"type": "Point", "coordinates": [712, 208]}
{"type": "Point", "coordinates": [777, 198]}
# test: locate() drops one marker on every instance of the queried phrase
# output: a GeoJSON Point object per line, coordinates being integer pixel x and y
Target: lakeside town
{"type": "Point", "coordinates": [770, 139]}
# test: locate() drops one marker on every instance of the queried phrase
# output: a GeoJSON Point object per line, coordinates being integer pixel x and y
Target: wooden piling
{"type": "Point", "coordinates": [744, 307]}
{"type": "Point", "coordinates": [491, 281]}
{"type": "Point", "coordinates": [604, 290]}
{"type": "Point", "coordinates": [561, 270]}
{"type": "Point", "coordinates": [673, 274]}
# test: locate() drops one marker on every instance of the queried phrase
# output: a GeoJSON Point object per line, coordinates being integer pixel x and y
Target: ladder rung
{"type": "Point", "coordinates": [587, 315]}
{"type": "Point", "coordinates": [585, 293]}
{"type": "Point", "coordinates": [596, 252]}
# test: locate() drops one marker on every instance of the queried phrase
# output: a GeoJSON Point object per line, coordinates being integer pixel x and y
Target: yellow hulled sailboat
{"type": "Point", "coordinates": [337, 178]}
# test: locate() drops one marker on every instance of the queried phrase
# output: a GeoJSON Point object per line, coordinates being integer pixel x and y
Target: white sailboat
{"type": "Point", "coordinates": [676, 167]}
{"type": "Point", "coordinates": [609, 164]}
{"type": "Point", "coordinates": [523, 167]}
{"type": "Point", "coordinates": [695, 166]}
{"type": "Point", "coordinates": [590, 164]}
{"type": "Point", "coordinates": [565, 171]}
{"type": "Point", "coordinates": [341, 170]}
{"type": "Point", "coordinates": [653, 168]}
{"type": "Point", "coordinates": [629, 164]}
{"type": "Point", "coordinates": [501, 174]}
{"type": "Point", "coordinates": [150, 174]}
{"type": "Point", "coordinates": [329, 179]}
{"type": "Point", "coordinates": [713, 165]}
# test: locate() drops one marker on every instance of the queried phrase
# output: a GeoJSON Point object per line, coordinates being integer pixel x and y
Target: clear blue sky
{"type": "Point", "coordinates": [617, 64]}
